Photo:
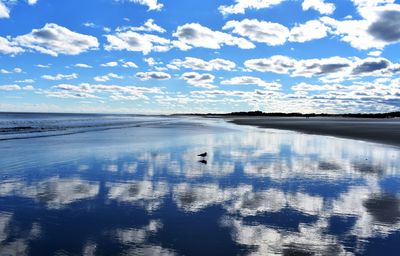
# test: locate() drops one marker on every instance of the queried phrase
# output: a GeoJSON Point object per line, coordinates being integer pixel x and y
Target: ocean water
{"type": "Point", "coordinates": [133, 185]}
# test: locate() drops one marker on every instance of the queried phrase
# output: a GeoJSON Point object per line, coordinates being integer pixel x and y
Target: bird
{"type": "Point", "coordinates": [203, 154]}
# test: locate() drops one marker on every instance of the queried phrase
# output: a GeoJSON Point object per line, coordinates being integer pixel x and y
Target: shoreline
{"type": "Point", "coordinates": [385, 131]}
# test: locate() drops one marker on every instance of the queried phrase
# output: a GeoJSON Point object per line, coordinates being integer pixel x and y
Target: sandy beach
{"type": "Point", "coordinates": [375, 130]}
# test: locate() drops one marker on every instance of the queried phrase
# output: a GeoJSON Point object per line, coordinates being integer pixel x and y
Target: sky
{"type": "Point", "coordinates": [200, 56]}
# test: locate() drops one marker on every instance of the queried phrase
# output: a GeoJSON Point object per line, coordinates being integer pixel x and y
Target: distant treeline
{"type": "Point", "coordinates": [277, 114]}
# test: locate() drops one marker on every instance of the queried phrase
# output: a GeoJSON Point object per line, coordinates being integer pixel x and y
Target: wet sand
{"type": "Point", "coordinates": [385, 131]}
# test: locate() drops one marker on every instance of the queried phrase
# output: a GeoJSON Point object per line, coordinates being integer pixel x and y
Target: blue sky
{"type": "Point", "coordinates": [163, 56]}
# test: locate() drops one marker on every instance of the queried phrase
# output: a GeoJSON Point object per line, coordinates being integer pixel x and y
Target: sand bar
{"type": "Point", "coordinates": [385, 131]}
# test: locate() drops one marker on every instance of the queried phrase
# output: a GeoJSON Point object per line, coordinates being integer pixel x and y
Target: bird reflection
{"type": "Point", "coordinates": [203, 161]}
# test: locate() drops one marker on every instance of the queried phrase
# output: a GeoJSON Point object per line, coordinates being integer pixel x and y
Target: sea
{"type": "Point", "coordinates": [93, 184]}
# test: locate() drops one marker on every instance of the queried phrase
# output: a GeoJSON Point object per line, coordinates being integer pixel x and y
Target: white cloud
{"type": "Point", "coordinates": [369, 3]}
{"type": "Point", "coordinates": [133, 41]}
{"type": "Point", "coordinates": [54, 40]}
{"type": "Point", "coordinates": [326, 66]}
{"type": "Point", "coordinates": [148, 26]}
{"type": "Point", "coordinates": [375, 53]}
{"type": "Point", "coordinates": [116, 92]}
{"type": "Point", "coordinates": [8, 47]}
{"type": "Point", "coordinates": [28, 88]}
{"type": "Point", "coordinates": [32, 2]}
{"type": "Point", "coordinates": [333, 69]}
{"type": "Point", "coordinates": [313, 87]}
{"type": "Point", "coordinates": [82, 65]}
{"type": "Point", "coordinates": [60, 77]}
{"type": "Point", "coordinates": [110, 64]}
{"type": "Point", "coordinates": [318, 5]}
{"type": "Point", "coordinates": [152, 62]}
{"type": "Point", "coordinates": [25, 81]}
{"type": "Point", "coordinates": [4, 11]}
{"type": "Point", "coordinates": [199, 64]}
{"type": "Point", "coordinates": [199, 80]}
{"type": "Point", "coordinates": [10, 87]}
{"type": "Point", "coordinates": [129, 64]}
{"type": "Point", "coordinates": [251, 80]}
{"type": "Point", "coordinates": [107, 77]}
{"type": "Point", "coordinates": [43, 65]}
{"type": "Point", "coordinates": [15, 70]}
{"type": "Point", "coordinates": [153, 75]}
{"type": "Point", "coordinates": [277, 64]}
{"type": "Point", "coordinates": [196, 35]}
{"type": "Point", "coordinates": [311, 30]}
{"type": "Point", "coordinates": [240, 6]}
{"type": "Point", "coordinates": [89, 25]}
{"type": "Point", "coordinates": [379, 27]}
{"type": "Point", "coordinates": [259, 31]}
{"type": "Point", "coordinates": [153, 5]}
{"type": "Point", "coordinates": [15, 87]}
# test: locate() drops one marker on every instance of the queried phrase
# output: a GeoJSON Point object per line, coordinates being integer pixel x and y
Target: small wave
{"type": "Point", "coordinates": [31, 126]}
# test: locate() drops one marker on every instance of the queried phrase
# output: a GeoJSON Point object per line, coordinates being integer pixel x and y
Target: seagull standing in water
{"type": "Point", "coordinates": [203, 154]}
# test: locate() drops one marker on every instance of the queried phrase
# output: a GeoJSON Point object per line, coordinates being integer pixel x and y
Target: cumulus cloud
{"type": "Point", "coordinates": [8, 47]}
{"type": "Point", "coordinates": [15, 87]}
{"type": "Point", "coordinates": [148, 26]}
{"type": "Point", "coordinates": [123, 63]}
{"type": "Point", "coordinates": [129, 64]}
{"type": "Point", "coordinates": [4, 11]}
{"type": "Point", "coordinates": [251, 80]}
{"type": "Point", "coordinates": [276, 64]}
{"type": "Point", "coordinates": [53, 39]}
{"type": "Point", "coordinates": [196, 35]}
{"type": "Point", "coordinates": [199, 80]}
{"type": "Point", "coordinates": [28, 80]}
{"type": "Point", "coordinates": [110, 64]}
{"type": "Point", "coordinates": [366, 3]}
{"type": "Point", "coordinates": [327, 69]}
{"type": "Point", "coordinates": [318, 5]}
{"type": "Point", "coordinates": [371, 65]}
{"type": "Point", "coordinates": [379, 27]}
{"type": "Point", "coordinates": [386, 27]}
{"type": "Point", "coordinates": [60, 77]}
{"type": "Point", "coordinates": [10, 87]}
{"type": "Point", "coordinates": [313, 87]}
{"type": "Point", "coordinates": [153, 5]}
{"type": "Point", "coordinates": [43, 65]}
{"type": "Point", "coordinates": [116, 92]}
{"type": "Point", "coordinates": [136, 42]}
{"type": "Point", "coordinates": [311, 30]}
{"type": "Point", "coordinates": [153, 75]}
{"type": "Point", "coordinates": [200, 64]}
{"type": "Point", "coordinates": [375, 53]}
{"type": "Point", "coordinates": [240, 6]}
{"type": "Point", "coordinates": [259, 31]}
{"type": "Point", "coordinates": [82, 65]}
{"type": "Point", "coordinates": [15, 70]}
{"type": "Point", "coordinates": [152, 62]}
{"type": "Point", "coordinates": [318, 67]}
{"type": "Point", "coordinates": [107, 77]}
{"type": "Point", "coordinates": [32, 2]}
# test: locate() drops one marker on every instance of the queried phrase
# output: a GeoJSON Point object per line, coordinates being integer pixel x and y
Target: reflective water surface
{"type": "Point", "coordinates": [143, 191]}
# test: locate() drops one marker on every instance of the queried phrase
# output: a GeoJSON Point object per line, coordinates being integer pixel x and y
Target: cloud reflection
{"type": "Point", "coordinates": [145, 193]}
{"type": "Point", "coordinates": [54, 192]}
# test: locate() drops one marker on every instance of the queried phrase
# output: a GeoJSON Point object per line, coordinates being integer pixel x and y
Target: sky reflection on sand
{"type": "Point", "coordinates": [262, 192]}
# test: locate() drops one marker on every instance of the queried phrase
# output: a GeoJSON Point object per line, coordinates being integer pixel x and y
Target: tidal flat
{"type": "Point", "coordinates": [134, 185]}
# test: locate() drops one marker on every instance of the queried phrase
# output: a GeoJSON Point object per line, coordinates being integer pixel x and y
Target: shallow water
{"type": "Point", "coordinates": [142, 190]}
